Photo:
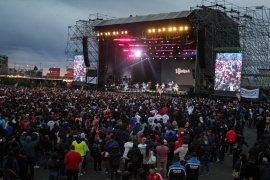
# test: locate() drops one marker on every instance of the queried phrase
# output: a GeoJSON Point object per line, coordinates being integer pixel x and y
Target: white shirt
{"type": "Point", "coordinates": [158, 117]}
{"type": "Point", "coordinates": [128, 145]}
{"type": "Point", "coordinates": [165, 118]}
{"type": "Point", "coordinates": [151, 120]}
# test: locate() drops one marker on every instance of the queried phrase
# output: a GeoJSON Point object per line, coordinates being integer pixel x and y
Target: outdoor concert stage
{"type": "Point", "coordinates": [167, 48]}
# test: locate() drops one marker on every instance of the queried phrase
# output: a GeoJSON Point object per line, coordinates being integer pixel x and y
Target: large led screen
{"type": "Point", "coordinates": [79, 69]}
{"type": "Point", "coordinates": [228, 72]}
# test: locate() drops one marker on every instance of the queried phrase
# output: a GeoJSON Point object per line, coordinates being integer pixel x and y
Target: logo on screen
{"type": "Point", "coordinates": [182, 71]}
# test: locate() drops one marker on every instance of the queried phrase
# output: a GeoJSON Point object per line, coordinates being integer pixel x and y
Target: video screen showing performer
{"type": "Point", "coordinates": [228, 68]}
{"type": "Point", "coordinates": [79, 69]}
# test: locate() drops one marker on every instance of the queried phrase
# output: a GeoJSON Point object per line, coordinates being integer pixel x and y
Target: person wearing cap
{"type": "Point", "coordinates": [153, 175]}
{"type": "Point", "coordinates": [193, 167]}
{"type": "Point", "coordinates": [72, 160]}
{"type": "Point", "coordinates": [176, 171]}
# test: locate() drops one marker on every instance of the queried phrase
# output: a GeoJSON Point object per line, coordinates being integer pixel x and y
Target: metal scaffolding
{"type": "Point", "coordinates": [219, 31]}
{"type": "Point", "coordinates": [76, 33]}
{"type": "Point", "coordinates": [226, 25]}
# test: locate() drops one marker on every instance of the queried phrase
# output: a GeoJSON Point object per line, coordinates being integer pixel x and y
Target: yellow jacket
{"type": "Point", "coordinates": [80, 147]}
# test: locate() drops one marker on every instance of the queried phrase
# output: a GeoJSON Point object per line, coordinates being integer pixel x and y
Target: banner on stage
{"type": "Point", "coordinates": [246, 93]}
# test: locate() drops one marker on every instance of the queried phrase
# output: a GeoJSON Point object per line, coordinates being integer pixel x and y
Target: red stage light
{"type": "Point", "coordinates": [125, 39]}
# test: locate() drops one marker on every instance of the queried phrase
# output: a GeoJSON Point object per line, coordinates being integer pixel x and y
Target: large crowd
{"type": "Point", "coordinates": [128, 135]}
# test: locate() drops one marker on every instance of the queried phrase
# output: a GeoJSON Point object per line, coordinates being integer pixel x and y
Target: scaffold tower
{"type": "Point", "coordinates": [76, 33]}
{"type": "Point", "coordinates": [250, 26]}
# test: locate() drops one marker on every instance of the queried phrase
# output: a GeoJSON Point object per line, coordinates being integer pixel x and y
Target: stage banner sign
{"type": "Point", "coordinates": [253, 93]}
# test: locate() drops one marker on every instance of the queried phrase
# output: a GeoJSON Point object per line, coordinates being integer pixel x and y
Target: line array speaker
{"type": "Point", "coordinates": [85, 51]}
{"type": "Point", "coordinates": [200, 50]}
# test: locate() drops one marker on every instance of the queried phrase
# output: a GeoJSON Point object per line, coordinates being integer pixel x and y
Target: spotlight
{"type": "Point", "coordinates": [138, 53]}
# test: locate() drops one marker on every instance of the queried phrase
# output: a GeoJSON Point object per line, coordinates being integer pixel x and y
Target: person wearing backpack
{"type": "Point", "coordinates": [135, 159]}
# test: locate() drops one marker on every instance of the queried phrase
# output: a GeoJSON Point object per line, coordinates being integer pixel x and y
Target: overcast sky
{"type": "Point", "coordinates": [34, 32]}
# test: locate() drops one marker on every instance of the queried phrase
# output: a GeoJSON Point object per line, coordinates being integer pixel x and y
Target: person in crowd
{"type": "Point", "coordinates": [264, 169]}
{"type": "Point", "coordinates": [237, 150]}
{"type": "Point", "coordinates": [96, 154]}
{"type": "Point", "coordinates": [115, 158]}
{"type": "Point", "coordinates": [221, 146]}
{"type": "Point", "coordinates": [231, 137]}
{"type": "Point", "coordinates": [250, 170]}
{"type": "Point", "coordinates": [121, 138]}
{"type": "Point", "coordinates": [10, 163]}
{"type": "Point", "coordinates": [147, 158]}
{"type": "Point", "coordinates": [238, 165]}
{"type": "Point", "coordinates": [47, 149]}
{"type": "Point", "coordinates": [29, 147]}
{"type": "Point", "coordinates": [80, 147]}
{"type": "Point", "coordinates": [54, 166]}
{"type": "Point", "coordinates": [205, 157]}
{"type": "Point", "coordinates": [128, 145]}
{"type": "Point", "coordinates": [253, 152]}
{"type": "Point", "coordinates": [181, 152]}
{"type": "Point", "coordinates": [193, 167]}
{"type": "Point", "coordinates": [176, 171]}
{"type": "Point", "coordinates": [73, 160]}
{"type": "Point", "coordinates": [135, 159]}
{"type": "Point", "coordinates": [153, 175]}
{"type": "Point", "coordinates": [162, 152]}
{"type": "Point", "coordinates": [83, 137]}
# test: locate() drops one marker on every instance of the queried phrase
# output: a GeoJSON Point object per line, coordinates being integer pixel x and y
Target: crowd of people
{"type": "Point", "coordinates": [128, 135]}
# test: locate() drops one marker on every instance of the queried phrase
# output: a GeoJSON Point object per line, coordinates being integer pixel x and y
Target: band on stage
{"type": "Point", "coordinates": [160, 88]}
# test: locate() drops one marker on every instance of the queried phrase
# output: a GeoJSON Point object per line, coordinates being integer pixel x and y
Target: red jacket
{"type": "Point", "coordinates": [231, 135]}
{"type": "Point", "coordinates": [155, 176]}
{"type": "Point", "coordinates": [72, 160]}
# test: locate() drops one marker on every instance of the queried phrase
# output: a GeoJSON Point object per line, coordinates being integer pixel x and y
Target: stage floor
{"type": "Point", "coordinates": [112, 89]}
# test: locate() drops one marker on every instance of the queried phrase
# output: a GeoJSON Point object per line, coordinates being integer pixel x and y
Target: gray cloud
{"type": "Point", "coordinates": [35, 31]}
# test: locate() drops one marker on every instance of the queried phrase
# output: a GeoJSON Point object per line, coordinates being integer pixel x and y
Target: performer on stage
{"type": "Point", "coordinates": [176, 88]}
{"type": "Point", "coordinates": [157, 86]}
{"type": "Point", "coordinates": [143, 86]}
{"type": "Point", "coordinates": [137, 86]}
{"type": "Point", "coordinates": [125, 86]}
{"type": "Point", "coordinates": [162, 86]}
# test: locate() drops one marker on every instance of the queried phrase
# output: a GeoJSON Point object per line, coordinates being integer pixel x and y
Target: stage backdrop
{"type": "Point", "coordinates": [178, 71]}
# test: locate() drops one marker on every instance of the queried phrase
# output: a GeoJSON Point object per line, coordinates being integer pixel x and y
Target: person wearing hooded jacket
{"type": "Point", "coordinates": [29, 145]}
{"type": "Point", "coordinates": [80, 147]}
